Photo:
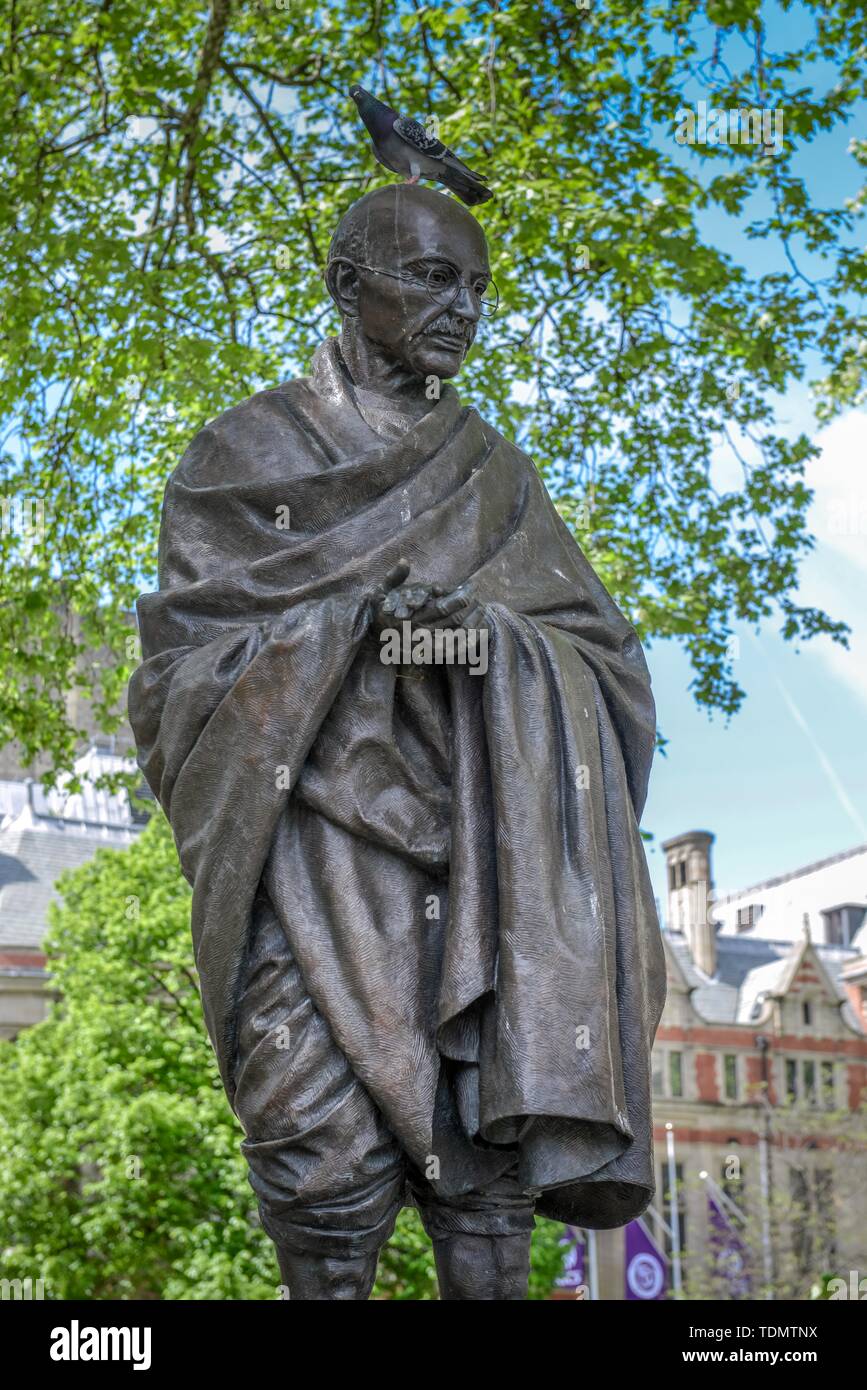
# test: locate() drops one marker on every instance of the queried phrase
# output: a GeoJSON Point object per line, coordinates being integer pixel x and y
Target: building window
{"type": "Point", "coordinates": [730, 1071]}
{"type": "Point", "coordinates": [748, 916]}
{"type": "Point", "coordinates": [806, 1013]}
{"type": "Point", "coordinates": [841, 923]}
{"type": "Point", "coordinates": [675, 1073]}
{"type": "Point", "coordinates": [658, 1074]}
{"type": "Point", "coordinates": [791, 1080]}
{"type": "Point", "coordinates": [810, 1082]}
{"type": "Point", "coordinates": [805, 1082]}
{"type": "Point", "coordinates": [681, 869]}
{"type": "Point", "coordinates": [833, 927]}
{"type": "Point", "coordinates": [828, 1086]}
{"type": "Point", "coordinates": [666, 1072]}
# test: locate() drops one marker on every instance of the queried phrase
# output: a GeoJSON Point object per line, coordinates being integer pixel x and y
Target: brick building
{"type": "Point", "coordinates": [760, 1066]}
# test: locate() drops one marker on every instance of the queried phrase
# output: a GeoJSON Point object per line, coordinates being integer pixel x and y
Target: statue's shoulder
{"type": "Point", "coordinates": [494, 439]}
{"type": "Point", "coordinates": [521, 468]}
{"type": "Point", "coordinates": [260, 439]}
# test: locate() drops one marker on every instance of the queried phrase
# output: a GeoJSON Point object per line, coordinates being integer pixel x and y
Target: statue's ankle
{"type": "Point", "coordinates": [310, 1277]}
{"type": "Point", "coordinates": [482, 1267]}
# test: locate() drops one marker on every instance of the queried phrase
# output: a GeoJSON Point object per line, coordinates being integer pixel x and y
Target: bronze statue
{"type": "Point", "coordinates": [429, 956]}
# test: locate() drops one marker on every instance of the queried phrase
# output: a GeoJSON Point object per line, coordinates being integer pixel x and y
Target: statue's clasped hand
{"type": "Point", "coordinates": [426, 605]}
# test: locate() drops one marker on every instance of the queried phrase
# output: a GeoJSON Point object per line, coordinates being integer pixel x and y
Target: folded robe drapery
{"type": "Point", "coordinates": [455, 858]}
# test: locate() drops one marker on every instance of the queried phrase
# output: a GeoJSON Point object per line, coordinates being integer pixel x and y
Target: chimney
{"type": "Point", "coordinates": [690, 886]}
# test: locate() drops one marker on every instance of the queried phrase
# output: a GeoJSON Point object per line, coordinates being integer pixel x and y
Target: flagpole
{"type": "Point", "coordinates": [723, 1200]}
{"type": "Point", "coordinates": [676, 1279]}
{"type": "Point", "coordinates": [593, 1265]}
{"type": "Point", "coordinates": [662, 1223]}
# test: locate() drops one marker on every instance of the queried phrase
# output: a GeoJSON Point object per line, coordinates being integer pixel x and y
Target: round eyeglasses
{"type": "Point", "coordinates": [442, 283]}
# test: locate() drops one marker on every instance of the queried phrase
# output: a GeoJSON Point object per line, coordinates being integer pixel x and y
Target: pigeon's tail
{"type": "Point", "coordinates": [468, 187]}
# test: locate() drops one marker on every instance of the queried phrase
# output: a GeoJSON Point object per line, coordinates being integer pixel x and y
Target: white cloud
{"type": "Point", "coordinates": [834, 576]}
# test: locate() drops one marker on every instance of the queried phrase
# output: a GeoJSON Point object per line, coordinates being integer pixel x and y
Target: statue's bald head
{"type": "Point", "coordinates": [384, 254]}
{"type": "Point", "coordinates": [387, 216]}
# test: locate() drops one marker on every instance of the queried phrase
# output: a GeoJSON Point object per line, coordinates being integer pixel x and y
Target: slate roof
{"type": "Point", "coordinates": [748, 969]}
{"type": "Point", "coordinates": [44, 833]}
{"type": "Point", "coordinates": [31, 859]}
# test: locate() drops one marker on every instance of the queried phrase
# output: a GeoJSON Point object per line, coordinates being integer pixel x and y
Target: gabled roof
{"type": "Point", "coordinates": [764, 982]}
{"type": "Point", "coordinates": [752, 970]}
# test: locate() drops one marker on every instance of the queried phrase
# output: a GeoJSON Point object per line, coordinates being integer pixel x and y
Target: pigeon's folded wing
{"type": "Point", "coordinates": [415, 135]}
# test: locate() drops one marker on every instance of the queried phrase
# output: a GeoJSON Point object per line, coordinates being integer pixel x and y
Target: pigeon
{"type": "Point", "coordinates": [404, 147]}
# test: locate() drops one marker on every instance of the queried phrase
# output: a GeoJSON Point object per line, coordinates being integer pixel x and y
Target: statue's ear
{"type": "Point", "coordinates": [341, 278]}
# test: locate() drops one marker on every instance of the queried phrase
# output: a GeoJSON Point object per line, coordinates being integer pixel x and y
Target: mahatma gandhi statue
{"type": "Point", "coordinates": [428, 951]}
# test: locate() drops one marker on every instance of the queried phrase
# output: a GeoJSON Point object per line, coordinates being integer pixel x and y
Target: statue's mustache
{"type": "Point", "coordinates": [452, 326]}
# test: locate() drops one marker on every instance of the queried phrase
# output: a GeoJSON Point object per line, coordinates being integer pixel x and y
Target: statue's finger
{"type": "Point", "coordinates": [451, 604]}
{"type": "Point", "coordinates": [426, 614]}
{"type": "Point", "coordinates": [396, 576]}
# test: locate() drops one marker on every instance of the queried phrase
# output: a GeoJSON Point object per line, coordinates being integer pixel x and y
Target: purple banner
{"type": "Point", "coordinates": [646, 1273]}
{"type": "Point", "coordinates": [728, 1252]}
{"type": "Point", "coordinates": [572, 1276]}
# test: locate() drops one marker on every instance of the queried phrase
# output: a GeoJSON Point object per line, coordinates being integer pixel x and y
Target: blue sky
{"type": "Point", "coordinates": [784, 782]}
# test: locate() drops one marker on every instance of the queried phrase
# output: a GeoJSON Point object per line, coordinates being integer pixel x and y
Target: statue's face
{"type": "Point", "coordinates": [423, 241]}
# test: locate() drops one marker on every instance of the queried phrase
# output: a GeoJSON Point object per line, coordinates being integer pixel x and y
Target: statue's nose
{"type": "Point", "coordinates": [467, 305]}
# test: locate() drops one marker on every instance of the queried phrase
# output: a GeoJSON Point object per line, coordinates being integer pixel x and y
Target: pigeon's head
{"type": "Point", "coordinates": [407, 269]}
{"type": "Point", "coordinates": [378, 117]}
{"type": "Point", "coordinates": [366, 102]}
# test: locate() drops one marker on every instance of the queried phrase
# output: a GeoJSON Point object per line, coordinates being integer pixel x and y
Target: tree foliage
{"type": "Point", "coordinates": [121, 1174]}
{"type": "Point", "coordinates": [172, 174]}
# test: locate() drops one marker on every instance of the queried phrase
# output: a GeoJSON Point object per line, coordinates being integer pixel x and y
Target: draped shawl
{"type": "Point", "coordinates": [455, 858]}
